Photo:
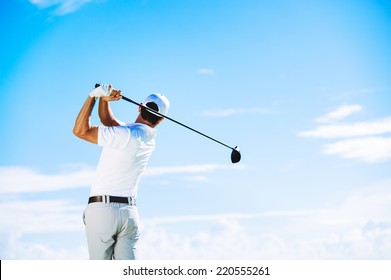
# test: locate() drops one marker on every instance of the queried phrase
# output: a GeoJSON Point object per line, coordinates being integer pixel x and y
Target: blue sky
{"type": "Point", "coordinates": [303, 87]}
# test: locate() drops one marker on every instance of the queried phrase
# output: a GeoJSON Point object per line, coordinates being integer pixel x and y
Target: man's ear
{"type": "Point", "coordinates": [139, 109]}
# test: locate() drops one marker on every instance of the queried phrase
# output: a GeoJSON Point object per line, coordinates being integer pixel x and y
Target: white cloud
{"type": "Point", "coordinates": [359, 227]}
{"type": "Point", "coordinates": [62, 7]}
{"type": "Point", "coordinates": [367, 128]}
{"type": "Point", "coordinates": [365, 140]}
{"type": "Point", "coordinates": [340, 113]}
{"type": "Point", "coordinates": [45, 3]}
{"type": "Point", "coordinates": [206, 71]}
{"type": "Point", "coordinates": [235, 240]}
{"type": "Point", "coordinates": [222, 217]}
{"type": "Point", "coordinates": [55, 222]}
{"type": "Point", "coordinates": [40, 216]}
{"type": "Point", "coordinates": [189, 169]}
{"type": "Point", "coordinates": [16, 179]}
{"type": "Point", "coordinates": [20, 250]}
{"type": "Point", "coordinates": [369, 149]}
{"type": "Point", "coordinates": [235, 111]}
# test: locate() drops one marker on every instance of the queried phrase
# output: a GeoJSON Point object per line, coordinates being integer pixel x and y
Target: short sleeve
{"type": "Point", "coordinates": [115, 137]}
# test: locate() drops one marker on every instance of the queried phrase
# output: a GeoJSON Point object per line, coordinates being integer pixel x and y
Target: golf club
{"type": "Point", "coordinates": [235, 155]}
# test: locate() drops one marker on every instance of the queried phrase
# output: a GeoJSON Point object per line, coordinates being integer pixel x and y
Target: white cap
{"type": "Point", "coordinates": [160, 100]}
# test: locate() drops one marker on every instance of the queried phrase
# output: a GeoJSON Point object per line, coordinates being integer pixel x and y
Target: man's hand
{"type": "Point", "coordinates": [101, 90]}
{"type": "Point", "coordinates": [115, 95]}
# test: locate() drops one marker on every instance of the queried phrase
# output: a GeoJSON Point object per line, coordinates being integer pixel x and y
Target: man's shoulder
{"type": "Point", "coordinates": [141, 129]}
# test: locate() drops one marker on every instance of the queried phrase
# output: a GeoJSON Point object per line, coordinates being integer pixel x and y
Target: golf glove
{"type": "Point", "coordinates": [102, 90]}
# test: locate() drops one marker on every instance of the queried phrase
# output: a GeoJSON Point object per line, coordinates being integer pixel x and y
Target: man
{"type": "Point", "coordinates": [111, 216]}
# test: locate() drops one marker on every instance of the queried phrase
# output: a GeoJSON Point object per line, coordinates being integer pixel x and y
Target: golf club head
{"type": "Point", "coordinates": [235, 155]}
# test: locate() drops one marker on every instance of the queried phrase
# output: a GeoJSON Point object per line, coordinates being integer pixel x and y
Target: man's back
{"type": "Point", "coordinates": [125, 154]}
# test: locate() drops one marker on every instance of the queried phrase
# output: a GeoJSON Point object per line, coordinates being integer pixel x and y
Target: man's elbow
{"type": "Point", "coordinates": [90, 135]}
{"type": "Point", "coordinates": [78, 133]}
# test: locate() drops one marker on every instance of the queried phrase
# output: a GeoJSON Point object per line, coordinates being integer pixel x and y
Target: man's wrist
{"type": "Point", "coordinates": [103, 99]}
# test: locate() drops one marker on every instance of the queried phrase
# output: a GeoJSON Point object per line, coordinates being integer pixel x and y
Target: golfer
{"type": "Point", "coordinates": [111, 217]}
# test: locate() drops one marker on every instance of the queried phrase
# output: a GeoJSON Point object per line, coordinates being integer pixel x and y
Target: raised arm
{"type": "Point", "coordinates": [105, 113]}
{"type": "Point", "coordinates": [83, 128]}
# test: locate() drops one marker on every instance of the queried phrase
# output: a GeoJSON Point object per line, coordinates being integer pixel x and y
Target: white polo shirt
{"type": "Point", "coordinates": [125, 154]}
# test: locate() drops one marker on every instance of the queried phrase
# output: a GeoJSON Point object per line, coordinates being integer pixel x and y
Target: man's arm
{"type": "Point", "coordinates": [83, 129]}
{"type": "Point", "coordinates": [105, 113]}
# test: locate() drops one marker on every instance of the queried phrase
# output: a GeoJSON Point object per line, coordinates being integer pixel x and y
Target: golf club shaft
{"type": "Point", "coordinates": [188, 127]}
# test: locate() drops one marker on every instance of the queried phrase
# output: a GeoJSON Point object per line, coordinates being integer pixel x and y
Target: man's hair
{"type": "Point", "coordinates": [148, 116]}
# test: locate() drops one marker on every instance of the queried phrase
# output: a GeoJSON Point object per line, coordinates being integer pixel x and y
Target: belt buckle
{"type": "Point", "coordinates": [131, 201]}
{"type": "Point", "coordinates": [106, 199]}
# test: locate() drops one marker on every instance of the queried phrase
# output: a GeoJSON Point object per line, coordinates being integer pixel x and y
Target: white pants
{"type": "Point", "coordinates": [112, 230]}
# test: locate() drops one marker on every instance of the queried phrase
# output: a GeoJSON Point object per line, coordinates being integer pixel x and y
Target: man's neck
{"type": "Point", "coordinates": [141, 120]}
